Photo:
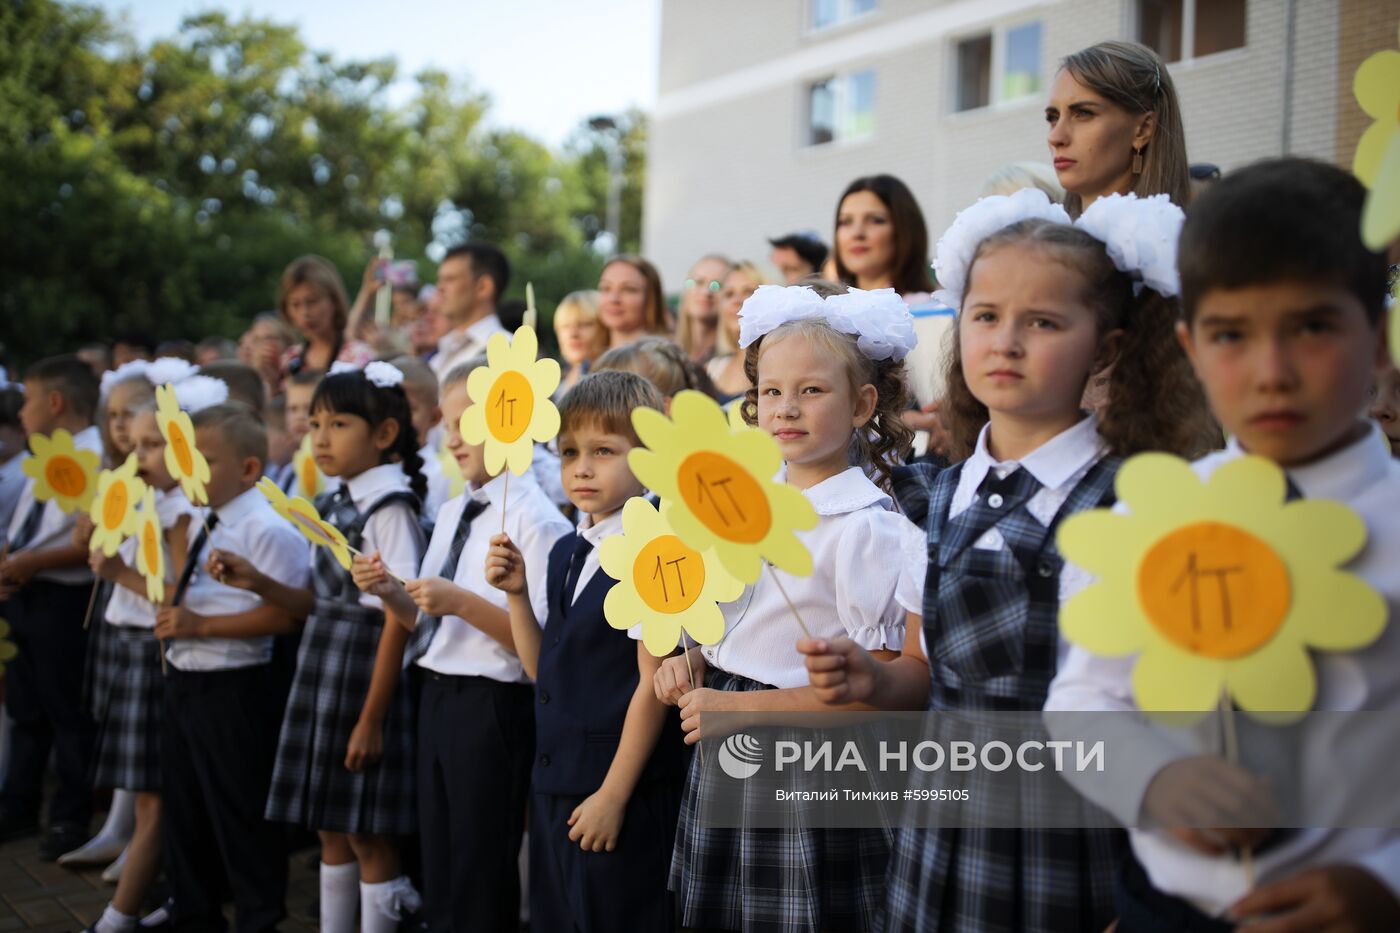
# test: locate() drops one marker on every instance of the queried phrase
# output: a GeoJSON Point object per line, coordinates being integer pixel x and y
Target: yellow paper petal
{"type": "Point", "coordinates": [1097, 540]}
{"type": "Point", "coordinates": [1168, 680]}
{"type": "Point", "coordinates": [1103, 619]}
{"type": "Point", "coordinates": [1340, 612]}
{"type": "Point", "coordinates": [1152, 484]}
{"type": "Point", "coordinates": [1380, 219]}
{"type": "Point", "coordinates": [705, 623]}
{"type": "Point", "coordinates": [1281, 679]}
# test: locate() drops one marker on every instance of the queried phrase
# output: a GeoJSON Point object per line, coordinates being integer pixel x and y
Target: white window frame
{"type": "Point", "coordinates": [844, 16]}
{"type": "Point", "coordinates": [1188, 33]}
{"type": "Point", "coordinates": [842, 131]}
{"type": "Point", "coordinates": [995, 99]}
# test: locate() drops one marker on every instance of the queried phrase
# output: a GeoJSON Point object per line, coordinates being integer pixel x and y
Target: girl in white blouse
{"type": "Point", "coordinates": [835, 390]}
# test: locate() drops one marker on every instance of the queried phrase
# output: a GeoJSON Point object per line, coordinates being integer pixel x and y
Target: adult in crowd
{"type": "Point", "coordinates": [262, 347]}
{"type": "Point", "coordinates": [727, 370]}
{"type": "Point", "coordinates": [214, 348]}
{"type": "Point", "coordinates": [697, 328]}
{"type": "Point", "coordinates": [582, 339]}
{"type": "Point", "coordinates": [797, 256]}
{"type": "Point", "coordinates": [881, 239]}
{"type": "Point", "coordinates": [311, 298]}
{"type": "Point", "coordinates": [132, 346]}
{"type": "Point", "coordinates": [1115, 126]}
{"type": "Point", "coordinates": [631, 303]}
{"type": "Point", "coordinates": [471, 280]}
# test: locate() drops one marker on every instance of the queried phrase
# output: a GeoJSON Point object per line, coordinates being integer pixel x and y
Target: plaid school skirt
{"type": "Point", "coordinates": [310, 784]}
{"type": "Point", "coordinates": [127, 755]}
{"type": "Point", "coordinates": [102, 663]}
{"type": "Point", "coordinates": [790, 878]}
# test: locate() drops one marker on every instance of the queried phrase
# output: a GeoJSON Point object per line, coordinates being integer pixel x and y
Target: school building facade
{"type": "Point", "coordinates": [766, 109]}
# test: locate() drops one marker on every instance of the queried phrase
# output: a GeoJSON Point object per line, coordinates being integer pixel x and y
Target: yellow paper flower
{"type": "Point", "coordinates": [113, 509]}
{"type": "Point", "coordinates": [662, 583]}
{"type": "Point", "coordinates": [511, 410]}
{"type": "Point", "coordinates": [61, 471]}
{"type": "Point", "coordinates": [456, 485]}
{"type": "Point", "coordinates": [1377, 161]}
{"type": "Point", "coordinates": [150, 548]}
{"type": "Point", "coordinates": [1220, 587]}
{"type": "Point", "coordinates": [717, 485]}
{"type": "Point", "coordinates": [8, 650]}
{"type": "Point", "coordinates": [307, 520]}
{"type": "Point", "coordinates": [310, 481]}
{"type": "Point", "coordinates": [186, 464]}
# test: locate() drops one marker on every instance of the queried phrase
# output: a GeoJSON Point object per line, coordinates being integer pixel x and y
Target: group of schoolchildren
{"type": "Point", "coordinates": [462, 687]}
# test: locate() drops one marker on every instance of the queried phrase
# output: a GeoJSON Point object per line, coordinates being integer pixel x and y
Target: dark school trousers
{"type": "Point", "coordinates": [622, 891]}
{"type": "Point", "coordinates": [217, 746]}
{"type": "Point", "coordinates": [44, 696]}
{"type": "Point", "coordinates": [476, 739]}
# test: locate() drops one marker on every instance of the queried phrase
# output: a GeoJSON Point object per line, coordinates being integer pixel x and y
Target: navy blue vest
{"type": "Point", "coordinates": [587, 675]}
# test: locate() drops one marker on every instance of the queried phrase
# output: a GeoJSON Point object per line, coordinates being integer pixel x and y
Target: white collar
{"type": "Point", "coordinates": [848, 491]}
{"type": "Point", "coordinates": [1053, 463]}
{"type": "Point", "coordinates": [477, 332]}
{"type": "Point", "coordinates": [88, 437]}
{"type": "Point", "coordinates": [594, 532]}
{"type": "Point", "coordinates": [240, 506]}
{"type": "Point", "coordinates": [1342, 475]}
{"type": "Point", "coordinates": [375, 483]}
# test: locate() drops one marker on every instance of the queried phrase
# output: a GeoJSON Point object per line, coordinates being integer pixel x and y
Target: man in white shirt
{"type": "Point", "coordinates": [470, 283]}
{"type": "Point", "coordinates": [46, 584]}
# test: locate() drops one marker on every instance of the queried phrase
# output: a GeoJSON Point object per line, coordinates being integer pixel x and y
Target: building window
{"type": "Point", "coordinates": [827, 13]}
{"type": "Point", "coordinates": [1011, 54]}
{"type": "Point", "coordinates": [1179, 30]}
{"type": "Point", "coordinates": [841, 108]}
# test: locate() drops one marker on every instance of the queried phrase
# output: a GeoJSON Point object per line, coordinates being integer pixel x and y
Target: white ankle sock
{"type": "Point", "coordinates": [338, 902]}
{"type": "Point", "coordinates": [114, 921]}
{"type": "Point", "coordinates": [159, 916]}
{"type": "Point", "coordinates": [384, 904]}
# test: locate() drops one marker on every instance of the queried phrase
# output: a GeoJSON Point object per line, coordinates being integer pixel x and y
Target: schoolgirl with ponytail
{"type": "Point", "coordinates": [345, 755]}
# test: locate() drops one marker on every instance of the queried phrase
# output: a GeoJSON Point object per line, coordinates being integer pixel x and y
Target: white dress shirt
{"type": "Point", "coordinates": [461, 344]}
{"type": "Point", "coordinates": [12, 480]}
{"type": "Point", "coordinates": [55, 527]}
{"type": "Point", "coordinates": [131, 609]}
{"type": "Point", "coordinates": [851, 590]}
{"type": "Point", "coordinates": [1058, 465]}
{"type": "Point", "coordinates": [250, 528]}
{"type": "Point", "coordinates": [534, 524]}
{"type": "Point", "coordinates": [393, 532]}
{"type": "Point", "coordinates": [594, 532]}
{"type": "Point", "coordinates": [1364, 477]}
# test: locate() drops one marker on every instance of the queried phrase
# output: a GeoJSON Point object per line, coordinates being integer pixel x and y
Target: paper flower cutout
{"type": "Point", "coordinates": [310, 481]}
{"type": "Point", "coordinates": [113, 508]}
{"type": "Point", "coordinates": [1377, 161]}
{"type": "Point", "coordinates": [186, 464]}
{"type": "Point", "coordinates": [662, 583]}
{"type": "Point", "coordinates": [716, 483]}
{"type": "Point", "coordinates": [456, 484]}
{"type": "Point", "coordinates": [511, 410]}
{"type": "Point", "coordinates": [150, 548]}
{"type": "Point", "coordinates": [1220, 587]}
{"type": "Point", "coordinates": [307, 520]}
{"type": "Point", "coordinates": [61, 471]}
{"type": "Point", "coordinates": [8, 649]}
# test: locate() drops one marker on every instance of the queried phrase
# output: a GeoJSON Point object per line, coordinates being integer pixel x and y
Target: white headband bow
{"type": "Point", "coordinates": [1139, 234]}
{"type": "Point", "coordinates": [878, 319]}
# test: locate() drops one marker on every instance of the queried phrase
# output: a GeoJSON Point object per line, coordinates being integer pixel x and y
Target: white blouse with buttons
{"type": "Point", "coordinates": [858, 550]}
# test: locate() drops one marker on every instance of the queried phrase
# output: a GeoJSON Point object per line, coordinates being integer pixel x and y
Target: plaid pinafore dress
{"type": "Point", "coordinates": [992, 634]}
{"type": "Point", "coordinates": [339, 643]}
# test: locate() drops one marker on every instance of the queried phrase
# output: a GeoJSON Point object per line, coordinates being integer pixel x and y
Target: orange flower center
{"type": "Point", "coordinates": [114, 506]}
{"type": "Point", "coordinates": [509, 405]}
{"type": "Point", "coordinates": [65, 476]}
{"type": "Point", "coordinates": [1215, 590]}
{"type": "Point", "coordinates": [668, 575]}
{"type": "Point", "coordinates": [725, 498]}
{"type": "Point", "coordinates": [180, 444]}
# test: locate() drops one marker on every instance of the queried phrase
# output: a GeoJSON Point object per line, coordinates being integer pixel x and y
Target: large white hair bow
{"type": "Point", "coordinates": [878, 319]}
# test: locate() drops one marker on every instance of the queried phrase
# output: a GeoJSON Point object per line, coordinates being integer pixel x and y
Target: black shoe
{"type": "Point", "coordinates": [62, 837]}
{"type": "Point", "coordinates": [17, 825]}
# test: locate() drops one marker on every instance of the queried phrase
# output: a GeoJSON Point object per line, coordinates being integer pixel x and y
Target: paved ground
{"type": "Point", "coordinates": [37, 895]}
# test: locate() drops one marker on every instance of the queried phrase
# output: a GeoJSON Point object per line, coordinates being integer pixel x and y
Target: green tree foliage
{"type": "Point", "coordinates": [163, 188]}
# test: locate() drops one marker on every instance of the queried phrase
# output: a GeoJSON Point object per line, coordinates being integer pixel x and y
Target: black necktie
{"type": "Point", "coordinates": [422, 636]}
{"type": "Point", "coordinates": [581, 548]}
{"type": "Point", "coordinates": [30, 528]}
{"type": "Point", "coordinates": [192, 561]}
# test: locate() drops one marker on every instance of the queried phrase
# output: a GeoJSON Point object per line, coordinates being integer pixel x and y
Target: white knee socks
{"type": "Point", "coordinates": [339, 885]}
{"type": "Point", "coordinates": [383, 905]}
